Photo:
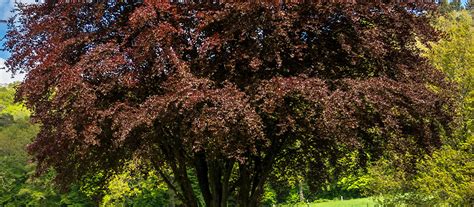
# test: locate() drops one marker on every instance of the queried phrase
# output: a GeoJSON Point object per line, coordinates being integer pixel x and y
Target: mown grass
{"type": "Point", "coordinates": [361, 202]}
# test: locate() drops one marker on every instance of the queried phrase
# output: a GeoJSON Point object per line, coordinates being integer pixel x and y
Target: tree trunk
{"type": "Point", "coordinates": [214, 182]}
{"type": "Point", "coordinates": [200, 165]}
{"type": "Point", "coordinates": [244, 186]}
{"type": "Point", "coordinates": [171, 198]}
{"type": "Point", "coordinates": [300, 190]}
{"type": "Point", "coordinates": [213, 177]}
{"type": "Point", "coordinates": [228, 166]}
{"type": "Point", "coordinates": [177, 163]}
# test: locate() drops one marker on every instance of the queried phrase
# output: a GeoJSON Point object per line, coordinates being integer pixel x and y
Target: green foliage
{"type": "Point", "coordinates": [7, 106]}
{"type": "Point", "coordinates": [350, 183]}
{"type": "Point", "coordinates": [41, 192]}
{"type": "Point", "coordinates": [17, 185]}
{"type": "Point", "coordinates": [389, 184]}
{"type": "Point", "coordinates": [293, 196]}
{"type": "Point", "coordinates": [269, 196]}
{"type": "Point", "coordinates": [353, 185]}
{"type": "Point", "coordinates": [446, 7]}
{"type": "Point", "coordinates": [448, 174]}
{"type": "Point", "coordinates": [454, 55]}
{"type": "Point", "coordinates": [445, 177]}
{"type": "Point", "coordinates": [135, 187]}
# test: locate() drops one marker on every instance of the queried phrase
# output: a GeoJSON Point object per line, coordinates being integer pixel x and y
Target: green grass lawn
{"type": "Point", "coordinates": [361, 202]}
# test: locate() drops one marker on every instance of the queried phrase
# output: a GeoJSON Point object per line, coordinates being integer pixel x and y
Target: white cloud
{"type": "Point", "coordinates": [6, 77]}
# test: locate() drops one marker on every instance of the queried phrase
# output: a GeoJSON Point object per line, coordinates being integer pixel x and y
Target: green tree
{"type": "Point", "coordinates": [443, 178]}
{"type": "Point", "coordinates": [447, 176]}
{"type": "Point", "coordinates": [136, 186]}
{"type": "Point", "coordinates": [18, 187]}
{"type": "Point", "coordinates": [454, 55]}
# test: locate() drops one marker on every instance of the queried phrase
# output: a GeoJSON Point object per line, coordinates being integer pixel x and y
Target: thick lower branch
{"type": "Point", "coordinates": [200, 165]}
{"type": "Point", "coordinates": [228, 166]}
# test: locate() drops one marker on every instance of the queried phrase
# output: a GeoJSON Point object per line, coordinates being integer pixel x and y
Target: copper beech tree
{"type": "Point", "coordinates": [230, 92]}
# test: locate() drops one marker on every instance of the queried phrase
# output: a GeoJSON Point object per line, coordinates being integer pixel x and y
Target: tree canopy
{"type": "Point", "coordinates": [230, 92]}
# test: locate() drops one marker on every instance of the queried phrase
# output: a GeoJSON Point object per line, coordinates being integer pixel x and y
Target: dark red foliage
{"type": "Point", "coordinates": [276, 2]}
{"type": "Point", "coordinates": [231, 91]}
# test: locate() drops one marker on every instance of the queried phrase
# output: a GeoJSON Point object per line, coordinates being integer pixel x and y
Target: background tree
{"type": "Point", "coordinates": [446, 177]}
{"type": "Point", "coordinates": [16, 186]}
{"type": "Point", "coordinates": [137, 186]}
{"type": "Point", "coordinates": [454, 55]}
{"type": "Point", "coordinates": [228, 92]}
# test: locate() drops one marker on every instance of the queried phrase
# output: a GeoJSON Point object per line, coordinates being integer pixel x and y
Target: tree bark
{"type": "Point", "coordinates": [176, 160]}
{"type": "Point", "coordinates": [244, 186]}
{"type": "Point", "coordinates": [228, 166]}
{"type": "Point", "coordinates": [213, 177]}
{"type": "Point", "coordinates": [171, 199]}
{"type": "Point", "coordinates": [300, 190]}
{"type": "Point", "coordinates": [200, 165]}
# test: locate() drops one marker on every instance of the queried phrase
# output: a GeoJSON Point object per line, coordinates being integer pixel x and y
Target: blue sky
{"type": "Point", "coordinates": [5, 8]}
